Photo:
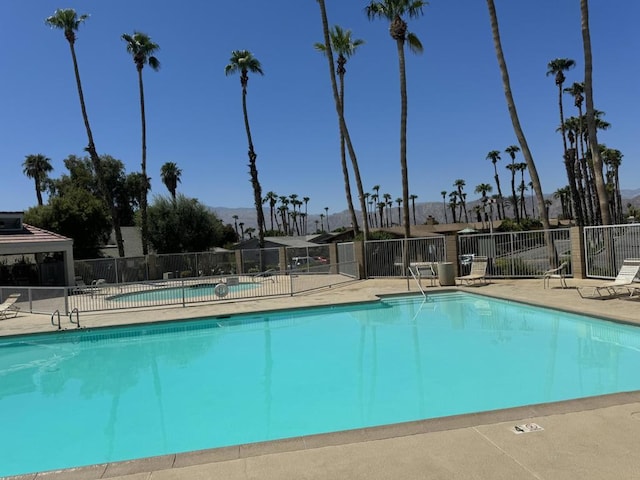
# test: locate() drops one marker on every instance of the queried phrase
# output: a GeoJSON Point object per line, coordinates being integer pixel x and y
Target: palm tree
{"type": "Point", "coordinates": [494, 156]}
{"type": "Point", "coordinates": [591, 123]}
{"type": "Point", "coordinates": [444, 205]}
{"type": "Point", "coordinates": [68, 21]}
{"type": "Point", "coordinates": [235, 224]}
{"type": "Point", "coordinates": [326, 209]}
{"type": "Point", "coordinates": [483, 189]}
{"type": "Point", "coordinates": [459, 184]}
{"type": "Point", "coordinates": [557, 67]}
{"type": "Point", "coordinates": [393, 11]}
{"type": "Point", "coordinates": [399, 202]}
{"type": "Point", "coordinates": [453, 204]}
{"type": "Point", "coordinates": [344, 131]}
{"type": "Point", "coordinates": [511, 106]}
{"type": "Point", "coordinates": [512, 150]}
{"type": "Point", "coordinates": [170, 176]}
{"type": "Point", "coordinates": [306, 202]}
{"type": "Point", "coordinates": [413, 197]}
{"type": "Point", "coordinates": [272, 199]}
{"type": "Point", "coordinates": [141, 48]}
{"type": "Point", "coordinates": [345, 47]}
{"type": "Point", "coordinates": [612, 159]}
{"type": "Point", "coordinates": [37, 167]}
{"type": "Point", "coordinates": [243, 62]}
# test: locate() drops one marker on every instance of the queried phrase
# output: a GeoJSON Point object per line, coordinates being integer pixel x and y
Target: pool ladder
{"type": "Point", "coordinates": [416, 277]}
{"type": "Point", "coordinates": [56, 315]}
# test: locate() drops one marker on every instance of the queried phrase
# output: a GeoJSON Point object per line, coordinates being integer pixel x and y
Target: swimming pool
{"type": "Point", "coordinates": [89, 397]}
{"type": "Point", "coordinates": [189, 291]}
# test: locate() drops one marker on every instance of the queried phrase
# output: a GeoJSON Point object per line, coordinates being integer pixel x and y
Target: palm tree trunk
{"type": "Point", "coordinates": [145, 184]}
{"type": "Point", "coordinates": [253, 171]}
{"type": "Point", "coordinates": [403, 139]}
{"type": "Point", "coordinates": [591, 124]}
{"type": "Point", "coordinates": [343, 125]}
{"type": "Point", "coordinates": [95, 159]}
{"type": "Point", "coordinates": [343, 162]}
{"type": "Point", "coordinates": [524, 146]}
{"type": "Point", "coordinates": [569, 164]}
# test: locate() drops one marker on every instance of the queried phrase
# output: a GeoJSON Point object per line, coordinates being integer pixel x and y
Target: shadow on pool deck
{"type": "Point", "coordinates": [594, 438]}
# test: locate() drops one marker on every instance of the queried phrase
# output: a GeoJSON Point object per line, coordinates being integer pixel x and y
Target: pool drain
{"type": "Point", "coordinates": [526, 428]}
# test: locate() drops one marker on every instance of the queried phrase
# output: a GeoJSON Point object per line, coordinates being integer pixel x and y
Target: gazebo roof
{"type": "Point", "coordinates": [31, 239]}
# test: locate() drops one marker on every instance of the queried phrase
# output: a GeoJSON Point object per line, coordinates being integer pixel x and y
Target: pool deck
{"type": "Point", "coordinates": [593, 438]}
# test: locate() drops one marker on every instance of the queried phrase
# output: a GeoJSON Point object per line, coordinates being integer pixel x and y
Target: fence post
{"type": "Point", "coordinates": [451, 252]}
{"type": "Point", "coordinates": [333, 258]}
{"type": "Point", "coordinates": [239, 268]}
{"type": "Point", "coordinates": [578, 259]}
{"type": "Point", "coordinates": [282, 259]}
{"type": "Point", "coordinates": [360, 258]}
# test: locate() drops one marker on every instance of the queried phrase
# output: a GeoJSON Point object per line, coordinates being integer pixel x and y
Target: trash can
{"type": "Point", "coordinates": [446, 276]}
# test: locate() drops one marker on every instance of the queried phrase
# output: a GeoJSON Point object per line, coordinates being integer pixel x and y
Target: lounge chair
{"type": "Point", "coordinates": [8, 309]}
{"type": "Point", "coordinates": [558, 272]}
{"type": "Point", "coordinates": [478, 271]}
{"type": "Point", "coordinates": [626, 275]}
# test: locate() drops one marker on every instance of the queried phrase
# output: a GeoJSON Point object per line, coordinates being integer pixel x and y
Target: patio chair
{"type": "Point", "coordinates": [624, 279]}
{"type": "Point", "coordinates": [558, 272]}
{"type": "Point", "coordinates": [478, 271]}
{"type": "Point", "coordinates": [8, 309]}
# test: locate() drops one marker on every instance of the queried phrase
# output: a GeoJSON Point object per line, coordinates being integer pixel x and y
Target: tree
{"type": "Point", "coordinates": [511, 106]}
{"type": "Point", "coordinates": [243, 62]}
{"type": "Point", "coordinates": [591, 121]}
{"type": "Point", "coordinates": [272, 199]}
{"type": "Point", "coordinates": [344, 131]}
{"type": "Point", "coordinates": [460, 184]}
{"type": "Point", "coordinates": [183, 226]}
{"type": "Point", "coordinates": [557, 67]}
{"type": "Point", "coordinates": [68, 21]}
{"type": "Point", "coordinates": [393, 11]}
{"type": "Point", "coordinates": [37, 167]}
{"type": "Point", "coordinates": [345, 47]}
{"type": "Point", "coordinates": [170, 176]}
{"type": "Point", "coordinates": [512, 150]}
{"type": "Point", "coordinates": [444, 205]}
{"type": "Point", "coordinates": [413, 197]}
{"type": "Point", "coordinates": [141, 48]}
{"type": "Point", "coordinates": [326, 209]}
{"type": "Point", "coordinates": [494, 156]}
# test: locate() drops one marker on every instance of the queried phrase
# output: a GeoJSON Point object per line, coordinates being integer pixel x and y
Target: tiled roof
{"type": "Point", "coordinates": [29, 235]}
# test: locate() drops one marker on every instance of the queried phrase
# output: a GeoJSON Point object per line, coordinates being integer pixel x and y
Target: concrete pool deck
{"type": "Point", "coordinates": [592, 438]}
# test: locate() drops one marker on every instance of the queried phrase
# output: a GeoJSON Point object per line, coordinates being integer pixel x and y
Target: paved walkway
{"type": "Point", "coordinates": [596, 438]}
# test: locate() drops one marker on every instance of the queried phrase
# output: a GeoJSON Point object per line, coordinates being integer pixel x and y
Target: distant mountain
{"type": "Point", "coordinates": [423, 210]}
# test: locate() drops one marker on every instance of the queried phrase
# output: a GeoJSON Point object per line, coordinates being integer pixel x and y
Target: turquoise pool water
{"type": "Point", "coordinates": [177, 293]}
{"type": "Point", "coordinates": [84, 397]}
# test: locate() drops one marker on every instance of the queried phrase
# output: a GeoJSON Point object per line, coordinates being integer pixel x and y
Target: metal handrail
{"type": "Point", "coordinates": [77, 312]}
{"type": "Point", "coordinates": [57, 312]}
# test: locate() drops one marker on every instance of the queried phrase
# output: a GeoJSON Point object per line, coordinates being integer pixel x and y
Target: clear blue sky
{"type": "Point", "coordinates": [457, 111]}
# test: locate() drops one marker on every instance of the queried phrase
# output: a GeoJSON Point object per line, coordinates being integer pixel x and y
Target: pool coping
{"type": "Point", "coordinates": [307, 442]}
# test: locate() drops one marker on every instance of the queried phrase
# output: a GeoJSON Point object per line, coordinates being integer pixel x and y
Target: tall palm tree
{"type": "Point", "coordinates": [306, 202]}
{"type": "Point", "coordinates": [591, 123]}
{"type": "Point", "coordinates": [494, 156]}
{"type": "Point", "coordinates": [243, 62]}
{"type": "Point", "coordinates": [512, 150]}
{"type": "Point", "coordinates": [511, 106]}
{"type": "Point", "coordinates": [69, 21]}
{"type": "Point", "coordinates": [170, 175]}
{"type": "Point", "coordinates": [557, 67]}
{"type": "Point", "coordinates": [345, 47]}
{"type": "Point", "coordinates": [235, 224]}
{"type": "Point", "coordinates": [326, 209]}
{"type": "Point", "coordinates": [444, 205]}
{"type": "Point", "coordinates": [344, 131]}
{"type": "Point", "coordinates": [393, 11]}
{"type": "Point", "coordinates": [141, 48]}
{"type": "Point", "coordinates": [37, 167]}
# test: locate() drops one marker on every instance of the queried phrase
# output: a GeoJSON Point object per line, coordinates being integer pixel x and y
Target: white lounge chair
{"type": "Point", "coordinates": [478, 271]}
{"type": "Point", "coordinates": [624, 279]}
{"type": "Point", "coordinates": [558, 272]}
{"type": "Point", "coordinates": [8, 309]}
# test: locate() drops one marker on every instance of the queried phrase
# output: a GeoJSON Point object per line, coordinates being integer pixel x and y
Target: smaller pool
{"type": "Point", "coordinates": [186, 291]}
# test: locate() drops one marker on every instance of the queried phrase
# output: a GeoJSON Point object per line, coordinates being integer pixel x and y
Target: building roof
{"type": "Point", "coordinates": [32, 239]}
